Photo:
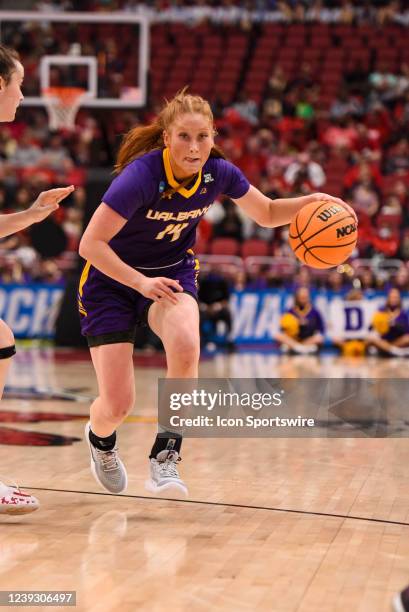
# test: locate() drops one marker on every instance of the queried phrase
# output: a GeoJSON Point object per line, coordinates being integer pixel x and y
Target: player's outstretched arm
{"type": "Point", "coordinates": [45, 204]}
{"type": "Point", "coordinates": [273, 213]}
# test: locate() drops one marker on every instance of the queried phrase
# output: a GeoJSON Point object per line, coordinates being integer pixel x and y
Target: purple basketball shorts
{"type": "Point", "coordinates": [110, 311]}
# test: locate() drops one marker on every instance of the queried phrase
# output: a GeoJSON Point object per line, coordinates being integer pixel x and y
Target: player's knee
{"type": "Point", "coordinates": [120, 403]}
{"type": "Point", "coordinates": [186, 350]}
{"type": "Point", "coordinates": [6, 335]}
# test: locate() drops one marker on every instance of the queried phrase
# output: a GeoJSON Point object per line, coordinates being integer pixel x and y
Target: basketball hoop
{"type": "Point", "coordinates": [62, 104]}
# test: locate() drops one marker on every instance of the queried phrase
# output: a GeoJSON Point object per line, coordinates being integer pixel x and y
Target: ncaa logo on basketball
{"type": "Point", "coordinates": [329, 212]}
{"type": "Point", "coordinates": [346, 230]}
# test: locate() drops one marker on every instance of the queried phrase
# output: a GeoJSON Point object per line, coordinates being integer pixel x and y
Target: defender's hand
{"type": "Point", "coordinates": [47, 202]}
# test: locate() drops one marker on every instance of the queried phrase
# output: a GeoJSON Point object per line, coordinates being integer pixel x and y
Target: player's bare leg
{"type": "Point", "coordinates": [12, 499]}
{"type": "Point", "coordinates": [394, 349]}
{"type": "Point", "coordinates": [114, 369]}
{"type": "Point", "coordinates": [178, 328]}
{"type": "Point", "coordinates": [303, 348]}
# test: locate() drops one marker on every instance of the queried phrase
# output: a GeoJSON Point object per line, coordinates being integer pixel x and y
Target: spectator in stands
{"type": "Point", "coordinates": [390, 328]}
{"type": "Point", "coordinates": [48, 271]}
{"type": "Point", "coordinates": [27, 153]}
{"type": "Point", "coordinates": [345, 105]}
{"type": "Point", "coordinates": [282, 247]}
{"type": "Point", "coordinates": [399, 190]}
{"type": "Point", "coordinates": [388, 12]}
{"type": "Point", "coordinates": [73, 226]}
{"type": "Point", "coordinates": [403, 252]}
{"type": "Point", "coordinates": [303, 80]}
{"type": "Point", "coordinates": [346, 13]}
{"type": "Point", "coordinates": [335, 282]}
{"type": "Point", "coordinates": [311, 171]}
{"type": "Point", "coordinates": [367, 282]}
{"type": "Point", "coordinates": [246, 108]}
{"type": "Point", "coordinates": [385, 84]}
{"type": "Point", "coordinates": [214, 293]}
{"type": "Point", "coordinates": [340, 135]}
{"type": "Point", "coordinates": [280, 158]}
{"type": "Point", "coordinates": [22, 199]}
{"type": "Point", "coordinates": [302, 327]}
{"type": "Point", "coordinates": [253, 159]}
{"type": "Point", "coordinates": [55, 155]}
{"type": "Point", "coordinates": [401, 279]}
{"type": "Point", "coordinates": [392, 206]}
{"type": "Point", "coordinates": [231, 225]}
{"type": "Point", "coordinates": [385, 238]}
{"type": "Point", "coordinates": [364, 193]}
{"type": "Point", "coordinates": [277, 82]}
{"type": "Point", "coordinates": [286, 7]}
{"type": "Point", "coordinates": [306, 102]}
{"type": "Point", "coordinates": [355, 81]}
{"type": "Point", "coordinates": [397, 158]}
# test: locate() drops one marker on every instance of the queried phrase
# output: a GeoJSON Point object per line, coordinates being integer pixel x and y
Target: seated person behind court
{"type": "Point", "coordinates": [214, 293]}
{"type": "Point", "coordinates": [389, 333]}
{"type": "Point", "coordinates": [302, 327]}
{"type": "Point", "coordinates": [351, 347]}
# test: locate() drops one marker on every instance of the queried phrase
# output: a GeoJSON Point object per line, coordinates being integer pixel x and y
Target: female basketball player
{"type": "Point", "coordinates": [140, 267]}
{"type": "Point", "coordinates": [12, 499]}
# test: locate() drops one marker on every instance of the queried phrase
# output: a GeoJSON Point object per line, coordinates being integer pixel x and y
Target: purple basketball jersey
{"type": "Point", "coordinates": [161, 229]}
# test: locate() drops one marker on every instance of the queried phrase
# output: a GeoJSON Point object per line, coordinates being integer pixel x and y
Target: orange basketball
{"type": "Point", "coordinates": [323, 234]}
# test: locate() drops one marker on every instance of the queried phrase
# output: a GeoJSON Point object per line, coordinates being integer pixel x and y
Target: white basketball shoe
{"type": "Point", "coordinates": [15, 501]}
{"type": "Point", "coordinates": [165, 479]}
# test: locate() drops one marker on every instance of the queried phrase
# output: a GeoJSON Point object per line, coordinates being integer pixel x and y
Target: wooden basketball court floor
{"type": "Point", "coordinates": [304, 525]}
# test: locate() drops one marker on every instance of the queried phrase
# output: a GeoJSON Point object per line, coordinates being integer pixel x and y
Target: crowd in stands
{"type": "Point", "coordinates": [346, 11]}
{"type": "Point", "coordinates": [291, 140]}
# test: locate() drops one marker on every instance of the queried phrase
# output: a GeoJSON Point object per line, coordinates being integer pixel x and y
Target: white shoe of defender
{"type": "Point", "coordinates": [165, 479]}
{"type": "Point", "coordinates": [15, 501]}
{"type": "Point", "coordinates": [106, 466]}
{"type": "Point", "coordinates": [400, 602]}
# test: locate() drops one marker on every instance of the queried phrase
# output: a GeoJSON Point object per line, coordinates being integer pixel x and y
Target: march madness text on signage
{"type": "Point", "coordinates": [30, 310]}
{"type": "Point", "coordinates": [256, 315]}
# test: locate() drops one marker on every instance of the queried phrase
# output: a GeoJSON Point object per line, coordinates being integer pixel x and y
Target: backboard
{"type": "Point", "coordinates": [105, 54]}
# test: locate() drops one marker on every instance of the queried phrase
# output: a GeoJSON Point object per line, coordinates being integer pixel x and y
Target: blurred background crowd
{"type": "Point", "coordinates": [317, 104]}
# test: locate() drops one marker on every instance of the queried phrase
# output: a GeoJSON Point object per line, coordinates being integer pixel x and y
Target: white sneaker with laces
{"type": "Point", "coordinates": [15, 501]}
{"type": "Point", "coordinates": [165, 477]}
{"type": "Point", "coordinates": [106, 466]}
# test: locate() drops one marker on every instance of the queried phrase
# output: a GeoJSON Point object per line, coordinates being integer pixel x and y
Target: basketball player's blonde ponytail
{"type": "Point", "coordinates": [142, 139]}
{"type": "Point", "coordinates": [137, 141]}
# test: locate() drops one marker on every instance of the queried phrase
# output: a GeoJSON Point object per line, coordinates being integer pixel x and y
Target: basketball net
{"type": "Point", "coordinates": [62, 104]}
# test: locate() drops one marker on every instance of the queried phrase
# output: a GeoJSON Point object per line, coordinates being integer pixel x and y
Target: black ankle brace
{"type": "Point", "coordinates": [104, 444]}
{"type": "Point", "coordinates": [166, 441]}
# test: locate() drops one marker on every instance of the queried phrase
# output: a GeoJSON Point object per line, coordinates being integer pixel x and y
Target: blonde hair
{"type": "Point", "coordinates": [142, 139]}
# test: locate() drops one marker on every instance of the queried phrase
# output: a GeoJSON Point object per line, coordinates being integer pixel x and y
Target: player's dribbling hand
{"type": "Point", "coordinates": [325, 197]}
{"type": "Point", "coordinates": [159, 288]}
{"type": "Point", "coordinates": [48, 201]}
